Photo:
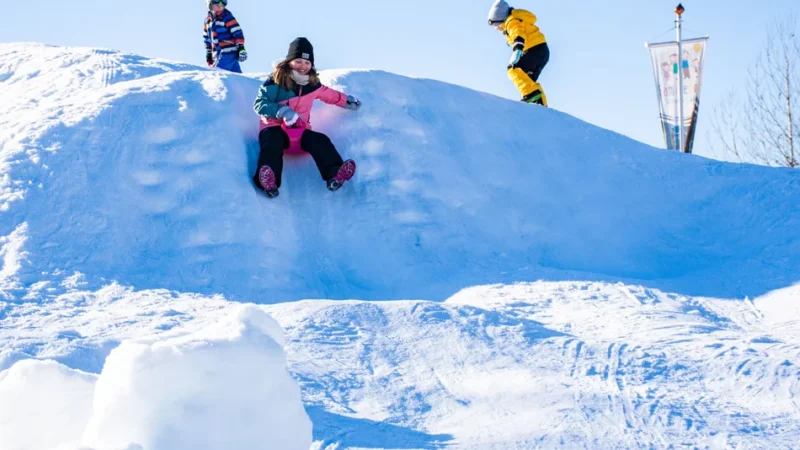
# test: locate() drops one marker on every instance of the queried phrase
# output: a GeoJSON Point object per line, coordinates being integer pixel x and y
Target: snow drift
{"type": "Point", "coordinates": [124, 168]}
{"type": "Point", "coordinates": [222, 387]}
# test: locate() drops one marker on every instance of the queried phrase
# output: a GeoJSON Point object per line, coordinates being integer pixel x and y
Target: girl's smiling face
{"type": "Point", "coordinates": [301, 66]}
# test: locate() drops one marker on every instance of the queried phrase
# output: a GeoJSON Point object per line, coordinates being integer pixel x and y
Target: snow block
{"type": "Point", "coordinates": [225, 387]}
{"type": "Point", "coordinates": [43, 404]}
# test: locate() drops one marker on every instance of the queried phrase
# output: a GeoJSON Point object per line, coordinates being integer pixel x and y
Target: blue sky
{"type": "Point", "coordinates": [599, 68]}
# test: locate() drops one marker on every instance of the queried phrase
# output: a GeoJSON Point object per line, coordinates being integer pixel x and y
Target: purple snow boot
{"type": "Point", "coordinates": [267, 179]}
{"type": "Point", "coordinates": [345, 172]}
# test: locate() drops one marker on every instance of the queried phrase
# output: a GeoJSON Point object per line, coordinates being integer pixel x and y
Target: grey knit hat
{"type": "Point", "coordinates": [499, 12]}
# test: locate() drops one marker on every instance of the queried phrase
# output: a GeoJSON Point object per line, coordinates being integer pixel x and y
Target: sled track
{"type": "Point", "coordinates": [106, 67]}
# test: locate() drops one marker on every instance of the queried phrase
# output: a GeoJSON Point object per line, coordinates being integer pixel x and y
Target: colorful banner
{"type": "Point", "coordinates": [669, 70]}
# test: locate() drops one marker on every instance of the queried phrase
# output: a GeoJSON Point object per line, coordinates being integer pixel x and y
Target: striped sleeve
{"type": "Point", "coordinates": [206, 37]}
{"type": "Point", "coordinates": [235, 29]}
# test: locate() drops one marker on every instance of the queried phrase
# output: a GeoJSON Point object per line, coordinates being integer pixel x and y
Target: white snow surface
{"type": "Point", "coordinates": [221, 387]}
{"type": "Point", "coordinates": [524, 279]}
{"type": "Point", "coordinates": [531, 365]}
{"type": "Point", "coordinates": [44, 404]}
{"type": "Point", "coordinates": [136, 170]}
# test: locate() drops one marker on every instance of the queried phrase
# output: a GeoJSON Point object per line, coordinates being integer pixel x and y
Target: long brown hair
{"type": "Point", "coordinates": [283, 75]}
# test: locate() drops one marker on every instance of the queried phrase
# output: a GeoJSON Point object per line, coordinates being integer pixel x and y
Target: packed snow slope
{"type": "Point", "coordinates": [124, 168]}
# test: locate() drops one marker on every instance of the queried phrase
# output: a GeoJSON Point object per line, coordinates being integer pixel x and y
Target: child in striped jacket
{"type": "Point", "coordinates": [223, 37]}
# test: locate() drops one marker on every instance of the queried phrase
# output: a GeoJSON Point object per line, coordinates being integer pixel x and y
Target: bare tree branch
{"type": "Point", "coordinates": [765, 128]}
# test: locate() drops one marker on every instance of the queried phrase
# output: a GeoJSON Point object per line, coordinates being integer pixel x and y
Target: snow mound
{"type": "Point", "coordinates": [44, 404]}
{"type": "Point", "coordinates": [123, 168]}
{"type": "Point", "coordinates": [221, 387]}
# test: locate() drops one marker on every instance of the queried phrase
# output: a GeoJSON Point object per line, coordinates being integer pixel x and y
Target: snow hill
{"type": "Point", "coordinates": [522, 279]}
{"type": "Point", "coordinates": [129, 169]}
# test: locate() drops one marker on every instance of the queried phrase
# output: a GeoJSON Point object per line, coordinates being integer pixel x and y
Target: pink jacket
{"type": "Point", "coordinates": [300, 102]}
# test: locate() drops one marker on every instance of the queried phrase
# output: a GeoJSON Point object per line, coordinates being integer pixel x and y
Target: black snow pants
{"type": "Point", "coordinates": [273, 141]}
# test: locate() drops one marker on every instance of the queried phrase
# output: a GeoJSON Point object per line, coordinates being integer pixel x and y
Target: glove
{"type": "Point", "coordinates": [209, 58]}
{"type": "Point", "coordinates": [242, 53]}
{"type": "Point", "coordinates": [514, 58]}
{"type": "Point", "coordinates": [352, 103]}
{"type": "Point", "coordinates": [288, 115]}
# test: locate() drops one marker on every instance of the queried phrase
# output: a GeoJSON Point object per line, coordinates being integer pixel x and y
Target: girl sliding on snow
{"type": "Point", "coordinates": [284, 104]}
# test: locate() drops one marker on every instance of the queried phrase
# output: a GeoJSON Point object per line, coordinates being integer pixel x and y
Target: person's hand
{"type": "Point", "coordinates": [352, 103]}
{"type": "Point", "coordinates": [515, 57]}
{"type": "Point", "coordinates": [288, 115]}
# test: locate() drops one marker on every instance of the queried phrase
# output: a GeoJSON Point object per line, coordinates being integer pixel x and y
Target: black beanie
{"type": "Point", "coordinates": [301, 48]}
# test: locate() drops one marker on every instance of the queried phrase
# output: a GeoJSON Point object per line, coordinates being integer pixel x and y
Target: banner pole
{"type": "Point", "coordinates": [678, 21]}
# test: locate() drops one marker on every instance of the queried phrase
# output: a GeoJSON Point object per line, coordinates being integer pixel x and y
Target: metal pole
{"type": "Point", "coordinates": [678, 21]}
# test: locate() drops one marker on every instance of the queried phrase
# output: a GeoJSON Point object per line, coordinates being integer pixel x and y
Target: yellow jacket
{"type": "Point", "coordinates": [521, 30]}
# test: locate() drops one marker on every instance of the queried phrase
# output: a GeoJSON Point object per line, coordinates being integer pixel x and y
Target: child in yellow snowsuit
{"type": "Point", "coordinates": [530, 51]}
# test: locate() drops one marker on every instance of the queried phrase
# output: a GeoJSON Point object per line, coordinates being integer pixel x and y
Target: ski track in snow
{"type": "Point", "coordinates": [540, 365]}
{"type": "Point", "coordinates": [121, 219]}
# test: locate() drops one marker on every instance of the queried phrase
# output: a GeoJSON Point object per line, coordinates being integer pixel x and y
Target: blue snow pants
{"type": "Point", "coordinates": [229, 61]}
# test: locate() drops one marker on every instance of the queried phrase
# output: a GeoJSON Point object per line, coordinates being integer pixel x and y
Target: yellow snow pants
{"type": "Point", "coordinates": [531, 90]}
{"type": "Point", "coordinates": [525, 74]}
